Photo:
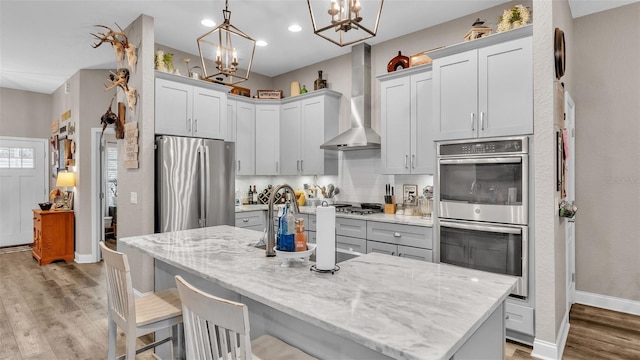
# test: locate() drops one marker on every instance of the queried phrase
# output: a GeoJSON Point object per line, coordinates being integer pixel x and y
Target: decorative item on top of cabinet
{"type": "Point", "coordinates": [477, 31]}
{"type": "Point", "coordinates": [514, 18]}
{"type": "Point", "coordinates": [398, 62]}
{"type": "Point", "coordinates": [295, 88]}
{"type": "Point", "coordinates": [242, 91]}
{"type": "Point", "coordinates": [269, 94]}
{"type": "Point", "coordinates": [320, 83]}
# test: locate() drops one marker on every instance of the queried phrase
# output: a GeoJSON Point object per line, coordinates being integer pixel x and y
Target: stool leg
{"type": "Point", "coordinates": [111, 350]}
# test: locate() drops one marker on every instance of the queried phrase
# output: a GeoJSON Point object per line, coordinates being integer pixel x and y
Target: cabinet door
{"type": "Point", "coordinates": [209, 113]}
{"type": "Point", "coordinates": [415, 253]}
{"type": "Point", "coordinates": [290, 139]}
{"type": "Point", "coordinates": [395, 123]}
{"type": "Point", "coordinates": [423, 150]}
{"type": "Point", "coordinates": [231, 120]}
{"type": "Point", "coordinates": [505, 88]}
{"type": "Point", "coordinates": [312, 136]}
{"type": "Point", "coordinates": [267, 139]}
{"type": "Point", "coordinates": [455, 95]}
{"type": "Point", "coordinates": [173, 108]}
{"type": "Point", "coordinates": [245, 138]}
{"type": "Point", "coordinates": [381, 248]}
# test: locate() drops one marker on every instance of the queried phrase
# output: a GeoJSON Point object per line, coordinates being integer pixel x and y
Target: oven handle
{"type": "Point", "coordinates": [501, 160]}
{"type": "Point", "coordinates": [488, 228]}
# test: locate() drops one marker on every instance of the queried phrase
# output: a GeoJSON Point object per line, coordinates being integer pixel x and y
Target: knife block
{"type": "Point", "coordinates": [389, 208]}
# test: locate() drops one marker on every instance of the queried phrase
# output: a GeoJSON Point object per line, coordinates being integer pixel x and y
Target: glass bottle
{"type": "Point", "coordinates": [288, 242]}
{"type": "Point", "coordinates": [301, 236]}
{"type": "Point", "coordinates": [282, 229]}
{"type": "Point", "coordinates": [303, 90]}
{"type": "Point", "coordinates": [319, 83]}
{"type": "Point", "coordinates": [255, 195]}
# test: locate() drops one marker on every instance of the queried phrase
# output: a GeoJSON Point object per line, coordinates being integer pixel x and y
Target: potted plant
{"type": "Point", "coordinates": [514, 18]}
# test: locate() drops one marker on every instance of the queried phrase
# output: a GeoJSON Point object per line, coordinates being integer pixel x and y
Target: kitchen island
{"type": "Point", "coordinates": [375, 307]}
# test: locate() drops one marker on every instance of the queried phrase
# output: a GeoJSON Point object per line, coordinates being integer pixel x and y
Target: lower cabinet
{"type": "Point", "coordinates": [53, 235]}
{"type": "Point", "coordinates": [399, 250]}
{"type": "Point", "coordinates": [415, 242]}
{"type": "Point", "coordinates": [519, 318]}
{"type": "Point", "coordinates": [254, 220]}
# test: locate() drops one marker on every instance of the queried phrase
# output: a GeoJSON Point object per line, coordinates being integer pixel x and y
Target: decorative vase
{"type": "Point", "coordinates": [303, 90]}
{"type": "Point", "coordinates": [398, 62]}
{"type": "Point", "coordinates": [320, 83]}
{"type": "Point", "coordinates": [295, 88]}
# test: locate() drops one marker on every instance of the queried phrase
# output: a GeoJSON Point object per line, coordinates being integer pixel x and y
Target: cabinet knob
{"type": "Point", "coordinates": [397, 235]}
{"type": "Point", "coordinates": [245, 220]}
{"type": "Point", "coordinates": [506, 317]}
{"type": "Point", "coordinates": [393, 253]}
{"type": "Point", "coordinates": [399, 254]}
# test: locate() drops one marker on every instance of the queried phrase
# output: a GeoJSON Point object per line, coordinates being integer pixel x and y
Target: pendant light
{"type": "Point", "coordinates": [226, 52]}
{"type": "Point", "coordinates": [345, 22]}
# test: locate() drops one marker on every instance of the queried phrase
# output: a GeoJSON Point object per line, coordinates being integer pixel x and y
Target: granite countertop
{"type": "Point", "coordinates": [389, 218]}
{"type": "Point", "coordinates": [403, 308]}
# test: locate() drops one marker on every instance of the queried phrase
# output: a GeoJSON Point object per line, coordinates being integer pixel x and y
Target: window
{"type": "Point", "coordinates": [17, 158]}
{"type": "Point", "coordinates": [111, 172]}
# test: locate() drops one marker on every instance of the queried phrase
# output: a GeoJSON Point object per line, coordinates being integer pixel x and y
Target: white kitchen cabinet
{"type": "Point", "coordinates": [399, 250]}
{"type": "Point", "coordinates": [242, 119]}
{"type": "Point", "coordinates": [267, 139]}
{"type": "Point", "coordinates": [484, 88]}
{"type": "Point", "coordinates": [185, 109]}
{"type": "Point", "coordinates": [254, 220]}
{"type": "Point", "coordinates": [306, 122]}
{"type": "Point", "coordinates": [407, 122]}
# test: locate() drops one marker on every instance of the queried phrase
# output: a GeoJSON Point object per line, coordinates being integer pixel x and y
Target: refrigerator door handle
{"type": "Point", "coordinates": [207, 194]}
{"type": "Point", "coordinates": [202, 194]}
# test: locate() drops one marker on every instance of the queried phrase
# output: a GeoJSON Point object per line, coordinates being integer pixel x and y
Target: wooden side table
{"type": "Point", "coordinates": [53, 235]}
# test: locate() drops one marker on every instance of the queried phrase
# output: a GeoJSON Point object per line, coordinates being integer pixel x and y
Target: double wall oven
{"type": "Point", "coordinates": [482, 197]}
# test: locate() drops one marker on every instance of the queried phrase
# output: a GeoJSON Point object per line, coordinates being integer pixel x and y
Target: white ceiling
{"type": "Point", "coordinates": [43, 43]}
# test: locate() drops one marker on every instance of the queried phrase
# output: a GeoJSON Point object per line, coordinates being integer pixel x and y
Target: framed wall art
{"type": "Point", "coordinates": [269, 94]}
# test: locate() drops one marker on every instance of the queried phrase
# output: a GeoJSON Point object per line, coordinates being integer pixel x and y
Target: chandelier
{"type": "Point", "coordinates": [226, 52]}
{"type": "Point", "coordinates": [345, 22]}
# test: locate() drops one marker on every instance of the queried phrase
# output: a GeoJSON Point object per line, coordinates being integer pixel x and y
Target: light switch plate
{"type": "Point", "coordinates": [134, 198]}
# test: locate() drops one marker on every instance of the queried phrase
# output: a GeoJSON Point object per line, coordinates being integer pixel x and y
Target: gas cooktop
{"type": "Point", "coordinates": [361, 209]}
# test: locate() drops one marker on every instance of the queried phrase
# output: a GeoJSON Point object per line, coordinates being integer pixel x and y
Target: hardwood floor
{"type": "Point", "coordinates": [58, 311]}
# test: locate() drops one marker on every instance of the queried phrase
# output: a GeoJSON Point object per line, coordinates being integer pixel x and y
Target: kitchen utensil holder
{"type": "Point", "coordinates": [389, 208]}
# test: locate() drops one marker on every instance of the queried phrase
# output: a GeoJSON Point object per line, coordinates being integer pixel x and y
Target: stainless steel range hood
{"type": "Point", "coordinates": [360, 136]}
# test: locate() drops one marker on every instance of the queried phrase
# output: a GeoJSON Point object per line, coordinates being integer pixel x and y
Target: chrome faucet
{"type": "Point", "coordinates": [271, 239]}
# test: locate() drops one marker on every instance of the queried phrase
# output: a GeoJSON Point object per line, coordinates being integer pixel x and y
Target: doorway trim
{"type": "Point", "coordinates": [97, 227]}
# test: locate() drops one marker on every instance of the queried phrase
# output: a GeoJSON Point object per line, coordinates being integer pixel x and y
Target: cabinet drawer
{"type": "Point", "coordinates": [409, 235]}
{"type": "Point", "coordinates": [415, 253]}
{"type": "Point", "coordinates": [250, 219]}
{"type": "Point", "coordinates": [351, 227]}
{"type": "Point", "coordinates": [519, 318]}
{"type": "Point", "coordinates": [381, 248]}
{"type": "Point", "coordinates": [351, 244]}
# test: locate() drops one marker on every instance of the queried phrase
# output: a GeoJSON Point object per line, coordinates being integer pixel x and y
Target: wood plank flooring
{"type": "Point", "coordinates": [58, 311]}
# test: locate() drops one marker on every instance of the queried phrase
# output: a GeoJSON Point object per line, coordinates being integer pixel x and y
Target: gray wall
{"type": "Point", "coordinates": [25, 114]}
{"type": "Point", "coordinates": [607, 97]}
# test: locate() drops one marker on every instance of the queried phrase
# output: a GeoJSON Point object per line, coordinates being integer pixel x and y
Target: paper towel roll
{"type": "Point", "coordinates": [325, 237]}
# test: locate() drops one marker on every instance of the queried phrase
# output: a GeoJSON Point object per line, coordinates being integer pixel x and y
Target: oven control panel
{"type": "Point", "coordinates": [508, 146]}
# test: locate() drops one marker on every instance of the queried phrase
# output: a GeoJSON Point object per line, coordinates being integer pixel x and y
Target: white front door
{"type": "Point", "coordinates": [23, 184]}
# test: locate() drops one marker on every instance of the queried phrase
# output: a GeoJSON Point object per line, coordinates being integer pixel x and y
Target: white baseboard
{"type": "Point", "coordinates": [546, 350]}
{"type": "Point", "coordinates": [83, 258]}
{"type": "Point", "coordinates": [608, 302]}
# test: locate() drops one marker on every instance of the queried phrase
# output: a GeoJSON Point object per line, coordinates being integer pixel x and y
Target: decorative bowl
{"type": "Point", "coordinates": [289, 257]}
{"type": "Point", "coordinates": [45, 206]}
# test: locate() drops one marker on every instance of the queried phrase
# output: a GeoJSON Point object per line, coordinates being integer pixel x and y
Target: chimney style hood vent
{"type": "Point", "coordinates": [360, 136]}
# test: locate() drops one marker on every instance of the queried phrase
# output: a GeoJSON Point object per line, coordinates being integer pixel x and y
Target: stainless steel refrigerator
{"type": "Point", "coordinates": [195, 181]}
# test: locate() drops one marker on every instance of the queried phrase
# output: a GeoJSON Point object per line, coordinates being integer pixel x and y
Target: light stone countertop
{"type": "Point", "coordinates": [403, 308]}
{"type": "Point", "coordinates": [388, 218]}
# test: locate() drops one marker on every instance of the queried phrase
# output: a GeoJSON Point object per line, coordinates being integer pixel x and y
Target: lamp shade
{"type": "Point", "coordinates": [66, 179]}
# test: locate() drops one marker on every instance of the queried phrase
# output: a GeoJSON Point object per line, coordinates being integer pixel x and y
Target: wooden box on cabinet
{"type": "Point", "coordinates": [52, 235]}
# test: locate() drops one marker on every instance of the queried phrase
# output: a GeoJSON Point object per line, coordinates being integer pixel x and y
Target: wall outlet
{"type": "Point", "coordinates": [134, 198]}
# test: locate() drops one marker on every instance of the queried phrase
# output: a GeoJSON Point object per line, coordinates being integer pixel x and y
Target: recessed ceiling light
{"type": "Point", "coordinates": [295, 28]}
{"type": "Point", "coordinates": [261, 43]}
{"type": "Point", "coordinates": [208, 23]}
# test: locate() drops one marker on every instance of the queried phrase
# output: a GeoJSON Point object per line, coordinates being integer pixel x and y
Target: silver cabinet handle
{"type": "Point", "coordinates": [413, 161]}
{"type": "Point", "coordinates": [482, 120]}
{"type": "Point", "coordinates": [189, 124]}
{"type": "Point", "coordinates": [473, 123]}
{"type": "Point", "coordinates": [238, 165]}
{"type": "Point", "coordinates": [397, 235]}
{"type": "Point", "coordinates": [297, 165]}
{"type": "Point", "coordinates": [301, 165]}
{"type": "Point", "coordinates": [195, 125]}
{"type": "Point", "coordinates": [406, 158]}
{"type": "Point", "coordinates": [245, 220]}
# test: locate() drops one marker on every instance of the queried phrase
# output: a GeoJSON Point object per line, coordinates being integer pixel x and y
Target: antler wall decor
{"type": "Point", "coordinates": [120, 43]}
{"type": "Point", "coordinates": [121, 79]}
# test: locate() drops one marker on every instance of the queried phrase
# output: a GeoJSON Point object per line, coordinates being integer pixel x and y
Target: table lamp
{"type": "Point", "coordinates": [66, 179]}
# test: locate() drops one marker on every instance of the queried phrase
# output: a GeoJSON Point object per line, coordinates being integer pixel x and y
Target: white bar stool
{"type": "Point", "coordinates": [217, 328]}
{"type": "Point", "coordinates": [141, 316]}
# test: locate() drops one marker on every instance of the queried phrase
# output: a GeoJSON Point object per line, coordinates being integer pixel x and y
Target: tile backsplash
{"type": "Point", "coordinates": [359, 179]}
